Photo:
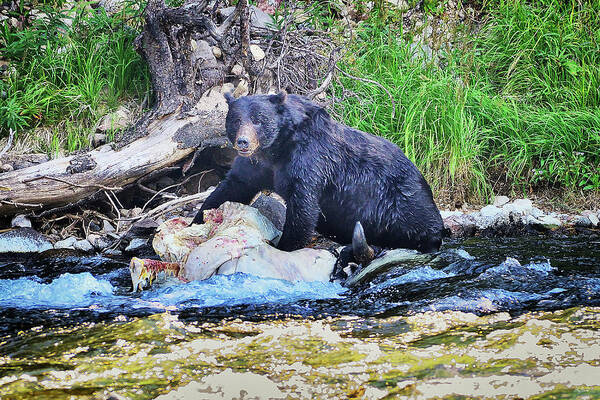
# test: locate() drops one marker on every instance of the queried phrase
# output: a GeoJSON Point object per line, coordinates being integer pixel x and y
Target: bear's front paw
{"type": "Point", "coordinates": [289, 245]}
{"type": "Point", "coordinates": [199, 218]}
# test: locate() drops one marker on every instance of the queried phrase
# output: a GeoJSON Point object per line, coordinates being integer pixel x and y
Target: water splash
{"type": "Point", "coordinates": [84, 290]}
{"type": "Point", "coordinates": [66, 291]}
{"type": "Point", "coordinates": [239, 288]}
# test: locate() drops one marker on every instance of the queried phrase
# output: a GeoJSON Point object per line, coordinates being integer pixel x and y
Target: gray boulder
{"type": "Point", "coordinates": [258, 18]}
{"type": "Point", "coordinates": [23, 240]}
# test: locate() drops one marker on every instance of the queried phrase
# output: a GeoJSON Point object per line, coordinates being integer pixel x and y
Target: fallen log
{"type": "Point", "coordinates": [69, 179]}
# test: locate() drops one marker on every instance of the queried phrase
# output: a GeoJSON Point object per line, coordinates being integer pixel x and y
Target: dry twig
{"type": "Point", "coordinates": [11, 136]}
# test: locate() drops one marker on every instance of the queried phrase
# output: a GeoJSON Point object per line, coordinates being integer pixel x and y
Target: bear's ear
{"type": "Point", "coordinates": [229, 98]}
{"type": "Point", "coordinates": [278, 98]}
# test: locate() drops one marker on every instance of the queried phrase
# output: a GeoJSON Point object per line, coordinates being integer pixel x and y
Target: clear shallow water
{"type": "Point", "coordinates": [492, 318]}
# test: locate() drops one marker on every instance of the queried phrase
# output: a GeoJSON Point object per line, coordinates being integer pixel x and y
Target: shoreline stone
{"type": "Point", "coordinates": [513, 218]}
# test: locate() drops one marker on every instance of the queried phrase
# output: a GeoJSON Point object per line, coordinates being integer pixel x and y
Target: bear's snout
{"type": "Point", "coordinates": [246, 140]}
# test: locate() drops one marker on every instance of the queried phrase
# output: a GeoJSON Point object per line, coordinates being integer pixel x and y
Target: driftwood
{"type": "Point", "coordinates": [69, 179]}
{"type": "Point", "coordinates": [184, 118]}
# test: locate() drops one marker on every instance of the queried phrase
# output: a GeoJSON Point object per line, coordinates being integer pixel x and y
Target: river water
{"type": "Point", "coordinates": [491, 318]}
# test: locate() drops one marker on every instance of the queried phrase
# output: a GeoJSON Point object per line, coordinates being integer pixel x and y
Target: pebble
{"type": "Point", "coordinates": [241, 89]}
{"type": "Point", "coordinates": [499, 201]}
{"type": "Point", "coordinates": [67, 243]}
{"type": "Point", "coordinates": [237, 70]}
{"type": "Point", "coordinates": [107, 226]}
{"type": "Point", "coordinates": [20, 221]}
{"type": "Point", "coordinates": [136, 244]}
{"type": "Point", "coordinates": [592, 217]}
{"type": "Point", "coordinates": [83, 245]}
{"type": "Point", "coordinates": [257, 52]}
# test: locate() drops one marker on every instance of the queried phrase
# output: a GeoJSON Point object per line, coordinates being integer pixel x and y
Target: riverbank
{"type": "Point", "coordinates": [456, 85]}
{"type": "Point", "coordinates": [93, 232]}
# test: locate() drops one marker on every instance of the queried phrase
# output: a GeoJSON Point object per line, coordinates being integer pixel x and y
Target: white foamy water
{"type": "Point", "coordinates": [241, 289]}
{"type": "Point", "coordinates": [68, 290]}
{"type": "Point", "coordinates": [83, 290]}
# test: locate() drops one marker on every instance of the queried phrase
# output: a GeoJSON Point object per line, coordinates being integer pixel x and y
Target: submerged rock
{"type": "Point", "coordinates": [228, 385]}
{"type": "Point", "coordinates": [23, 240]}
{"type": "Point", "coordinates": [389, 259]}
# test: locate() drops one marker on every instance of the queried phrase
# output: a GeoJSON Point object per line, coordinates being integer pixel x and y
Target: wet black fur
{"type": "Point", "coordinates": [330, 176]}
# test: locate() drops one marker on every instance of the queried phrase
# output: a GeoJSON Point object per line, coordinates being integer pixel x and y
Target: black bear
{"type": "Point", "coordinates": [329, 175]}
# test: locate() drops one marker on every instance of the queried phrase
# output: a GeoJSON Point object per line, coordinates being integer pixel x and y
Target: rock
{"type": "Point", "coordinates": [135, 211]}
{"type": "Point", "coordinates": [202, 54]}
{"type": "Point", "coordinates": [499, 201]}
{"type": "Point", "coordinates": [20, 221]}
{"type": "Point", "coordinates": [112, 6]}
{"type": "Point", "coordinates": [536, 212]}
{"type": "Point", "coordinates": [112, 252]}
{"type": "Point", "coordinates": [446, 213]}
{"type": "Point", "coordinates": [227, 88]}
{"type": "Point", "coordinates": [237, 70]}
{"type": "Point", "coordinates": [592, 217]}
{"type": "Point", "coordinates": [142, 227]}
{"type": "Point", "coordinates": [107, 226]}
{"type": "Point", "coordinates": [227, 385]}
{"type": "Point", "coordinates": [271, 208]}
{"type": "Point", "coordinates": [489, 216]}
{"type": "Point", "coordinates": [257, 52]}
{"type": "Point", "coordinates": [83, 245]}
{"type": "Point", "coordinates": [99, 242]}
{"type": "Point", "coordinates": [68, 243]}
{"type": "Point", "coordinates": [136, 244]}
{"type": "Point", "coordinates": [23, 240]}
{"type": "Point", "coordinates": [7, 167]}
{"type": "Point", "coordinates": [401, 4]}
{"type": "Point", "coordinates": [545, 222]}
{"type": "Point", "coordinates": [241, 89]}
{"type": "Point", "coordinates": [583, 221]}
{"type": "Point", "coordinates": [520, 206]}
{"type": "Point", "coordinates": [99, 139]}
{"type": "Point", "coordinates": [13, 22]}
{"type": "Point", "coordinates": [116, 120]}
{"type": "Point", "coordinates": [258, 18]}
{"type": "Point", "coordinates": [460, 225]}
{"type": "Point", "coordinates": [217, 52]}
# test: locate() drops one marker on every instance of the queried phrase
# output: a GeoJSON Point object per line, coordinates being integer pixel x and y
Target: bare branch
{"type": "Point", "coordinates": [11, 135]}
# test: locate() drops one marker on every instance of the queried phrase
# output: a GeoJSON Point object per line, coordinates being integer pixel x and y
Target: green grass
{"type": "Point", "coordinates": [519, 105]}
{"type": "Point", "coordinates": [71, 66]}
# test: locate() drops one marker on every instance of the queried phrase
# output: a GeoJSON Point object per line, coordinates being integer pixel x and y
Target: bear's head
{"type": "Point", "coordinates": [253, 122]}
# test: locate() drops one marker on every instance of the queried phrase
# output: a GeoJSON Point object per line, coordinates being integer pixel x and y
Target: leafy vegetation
{"type": "Point", "coordinates": [520, 104]}
{"type": "Point", "coordinates": [68, 67]}
{"type": "Point", "coordinates": [516, 105]}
